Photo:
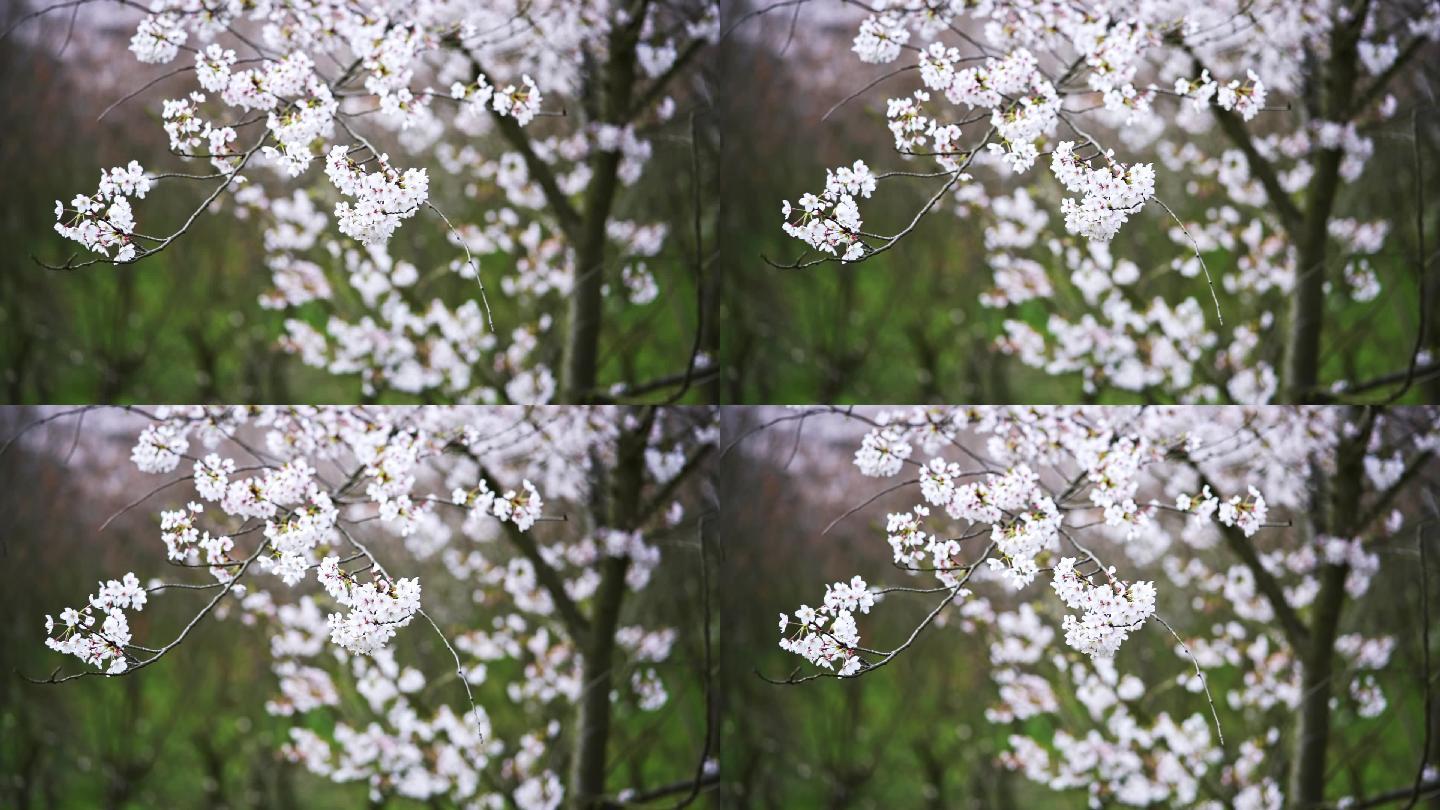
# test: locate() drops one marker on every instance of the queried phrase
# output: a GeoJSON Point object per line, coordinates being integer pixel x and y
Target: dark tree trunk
{"type": "Point", "coordinates": [586, 312]}
{"type": "Point", "coordinates": [592, 731]}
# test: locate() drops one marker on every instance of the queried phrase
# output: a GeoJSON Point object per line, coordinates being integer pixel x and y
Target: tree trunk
{"type": "Point", "coordinates": [1312, 729]}
{"type": "Point", "coordinates": [1301, 373]}
{"type": "Point", "coordinates": [583, 340]}
{"type": "Point", "coordinates": [1317, 658]}
{"type": "Point", "coordinates": [588, 766]}
{"type": "Point", "coordinates": [587, 778]}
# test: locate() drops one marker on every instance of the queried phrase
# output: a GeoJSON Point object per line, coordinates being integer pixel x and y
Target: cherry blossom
{"type": "Point", "coordinates": [1207, 536]}
{"type": "Point", "coordinates": [500, 166]}
{"type": "Point", "coordinates": [1201, 123]}
{"type": "Point", "coordinates": [509, 575]}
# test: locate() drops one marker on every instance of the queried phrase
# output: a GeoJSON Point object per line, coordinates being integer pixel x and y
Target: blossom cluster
{"type": "Point", "coordinates": [1118, 97]}
{"type": "Point", "coordinates": [1247, 515]}
{"type": "Point", "coordinates": [377, 609]}
{"type": "Point", "coordinates": [329, 79]}
{"type": "Point", "coordinates": [382, 198]}
{"type": "Point", "coordinates": [521, 506]}
{"type": "Point", "coordinates": [190, 134]}
{"type": "Point", "coordinates": [1245, 99]}
{"type": "Point", "coordinates": [104, 221]}
{"type": "Point", "coordinates": [520, 102]}
{"type": "Point", "coordinates": [828, 636]}
{"type": "Point", "coordinates": [1025, 522]}
{"type": "Point", "coordinates": [352, 496]}
{"type": "Point", "coordinates": [108, 644]}
{"type": "Point", "coordinates": [1108, 195]}
{"type": "Point", "coordinates": [1110, 611]}
{"type": "Point", "coordinates": [1133, 491]}
{"type": "Point", "coordinates": [830, 222]}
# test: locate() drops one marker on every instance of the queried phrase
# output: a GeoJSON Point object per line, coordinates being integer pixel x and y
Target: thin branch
{"type": "Point", "coordinates": [549, 579]}
{"type": "Point", "coordinates": [1420, 263]}
{"type": "Point", "coordinates": [160, 653]}
{"type": "Point", "coordinates": [1428, 717]}
{"type": "Point", "coordinates": [1208, 280]}
{"type": "Point", "coordinates": [873, 498]}
{"type": "Point", "coordinates": [887, 657]}
{"type": "Point", "coordinates": [1295, 631]}
{"type": "Point", "coordinates": [459, 673]}
{"type": "Point", "coordinates": [469, 261]}
{"type": "Point", "coordinates": [1199, 673]}
{"type": "Point", "coordinates": [710, 708]}
{"type": "Point", "coordinates": [842, 102]}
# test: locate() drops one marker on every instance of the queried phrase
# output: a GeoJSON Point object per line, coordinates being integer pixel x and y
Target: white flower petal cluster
{"type": "Point", "coordinates": [521, 506]}
{"type": "Point", "coordinates": [649, 690]}
{"type": "Point", "coordinates": [1020, 541]}
{"type": "Point", "coordinates": [327, 79]}
{"type": "Point", "coordinates": [656, 59]}
{"type": "Point", "coordinates": [382, 198]}
{"type": "Point", "coordinates": [1000, 512]}
{"type": "Point", "coordinates": [1245, 99]}
{"type": "Point", "coordinates": [519, 102]}
{"type": "Point", "coordinates": [640, 283]}
{"type": "Point", "coordinates": [296, 535]}
{"type": "Point", "coordinates": [830, 223]}
{"type": "Point", "coordinates": [996, 85]}
{"type": "Point", "coordinates": [828, 637]}
{"type": "Point", "coordinates": [104, 646]}
{"type": "Point", "coordinates": [1108, 195]}
{"type": "Point", "coordinates": [305, 120]}
{"type": "Point", "coordinates": [1245, 514]}
{"type": "Point", "coordinates": [377, 609]}
{"type": "Point", "coordinates": [105, 221]}
{"type": "Point", "coordinates": [158, 38]}
{"type": "Point", "coordinates": [159, 448]}
{"type": "Point", "coordinates": [212, 67]}
{"type": "Point", "coordinates": [1024, 104]}
{"type": "Point", "coordinates": [882, 453]}
{"type": "Point", "coordinates": [1110, 612]}
{"type": "Point", "coordinates": [880, 39]}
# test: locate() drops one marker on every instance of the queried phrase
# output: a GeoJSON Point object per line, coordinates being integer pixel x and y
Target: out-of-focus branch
{"type": "Point", "coordinates": [1295, 631]}
{"type": "Point", "coordinates": [575, 622]}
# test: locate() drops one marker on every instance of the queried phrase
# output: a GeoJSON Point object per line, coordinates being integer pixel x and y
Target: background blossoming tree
{"type": "Point", "coordinates": [1178, 606]}
{"type": "Point", "coordinates": [454, 601]}
{"type": "Point", "coordinates": [1277, 149]}
{"type": "Point", "coordinates": [446, 193]}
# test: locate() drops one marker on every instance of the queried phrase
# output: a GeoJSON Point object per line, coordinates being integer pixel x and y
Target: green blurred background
{"type": "Point", "coordinates": [185, 325]}
{"type": "Point", "coordinates": [903, 327]}
{"type": "Point", "coordinates": [906, 326]}
{"type": "Point", "coordinates": [915, 734]}
{"type": "Point", "coordinates": [192, 730]}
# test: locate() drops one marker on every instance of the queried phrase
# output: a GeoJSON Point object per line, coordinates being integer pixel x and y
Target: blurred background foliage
{"type": "Point", "coordinates": [192, 729]}
{"type": "Point", "coordinates": [185, 325]}
{"type": "Point", "coordinates": [181, 325]}
{"type": "Point", "coordinates": [915, 734]}
{"type": "Point", "coordinates": [906, 325]}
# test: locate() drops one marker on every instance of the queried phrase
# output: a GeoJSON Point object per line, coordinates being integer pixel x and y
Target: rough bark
{"type": "Point", "coordinates": [585, 316]}
{"type": "Point", "coordinates": [1312, 729]}
{"type": "Point", "coordinates": [592, 727]}
{"type": "Point", "coordinates": [587, 778]}
{"type": "Point", "coordinates": [1317, 657]}
{"type": "Point", "coordinates": [1301, 373]}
